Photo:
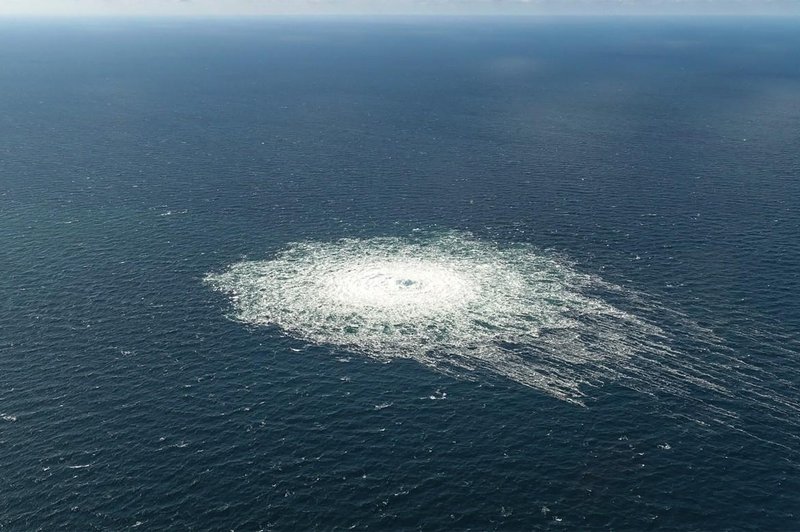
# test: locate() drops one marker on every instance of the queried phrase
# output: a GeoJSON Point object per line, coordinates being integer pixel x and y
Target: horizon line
{"type": "Point", "coordinates": [677, 14]}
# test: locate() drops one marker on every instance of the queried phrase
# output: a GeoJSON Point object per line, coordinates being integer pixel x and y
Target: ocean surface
{"type": "Point", "coordinates": [400, 274]}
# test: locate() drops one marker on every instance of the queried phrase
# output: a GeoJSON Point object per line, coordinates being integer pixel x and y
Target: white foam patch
{"type": "Point", "coordinates": [472, 309]}
{"type": "Point", "coordinates": [453, 303]}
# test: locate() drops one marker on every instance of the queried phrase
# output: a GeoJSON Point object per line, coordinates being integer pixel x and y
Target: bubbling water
{"type": "Point", "coordinates": [450, 302]}
{"type": "Point", "coordinates": [412, 285]}
{"type": "Point", "coordinates": [473, 309]}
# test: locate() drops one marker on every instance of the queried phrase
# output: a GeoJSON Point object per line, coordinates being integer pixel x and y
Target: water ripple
{"type": "Point", "coordinates": [461, 306]}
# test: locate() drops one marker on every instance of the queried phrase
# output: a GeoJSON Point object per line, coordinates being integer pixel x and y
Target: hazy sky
{"type": "Point", "coordinates": [466, 7]}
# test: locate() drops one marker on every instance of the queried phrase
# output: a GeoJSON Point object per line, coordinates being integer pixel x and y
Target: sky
{"type": "Point", "coordinates": [51, 8]}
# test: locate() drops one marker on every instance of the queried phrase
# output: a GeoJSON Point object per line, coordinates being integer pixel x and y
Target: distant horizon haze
{"type": "Point", "coordinates": [213, 8]}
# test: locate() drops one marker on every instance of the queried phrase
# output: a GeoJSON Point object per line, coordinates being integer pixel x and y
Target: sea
{"type": "Point", "coordinates": [400, 274]}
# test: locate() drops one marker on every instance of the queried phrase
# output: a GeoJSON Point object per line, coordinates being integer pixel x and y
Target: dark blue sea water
{"type": "Point", "coordinates": [661, 156]}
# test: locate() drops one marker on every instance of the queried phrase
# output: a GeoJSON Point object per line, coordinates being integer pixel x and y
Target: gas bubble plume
{"type": "Point", "coordinates": [450, 302]}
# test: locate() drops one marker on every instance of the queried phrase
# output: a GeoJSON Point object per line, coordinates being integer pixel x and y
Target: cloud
{"type": "Point", "coordinates": [269, 7]}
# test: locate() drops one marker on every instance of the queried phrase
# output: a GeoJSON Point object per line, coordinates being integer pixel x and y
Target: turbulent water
{"type": "Point", "coordinates": [471, 308]}
{"type": "Point", "coordinates": [452, 303]}
{"type": "Point", "coordinates": [400, 274]}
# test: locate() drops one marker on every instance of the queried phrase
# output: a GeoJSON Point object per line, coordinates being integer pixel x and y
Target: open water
{"type": "Point", "coordinates": [399, 274]}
